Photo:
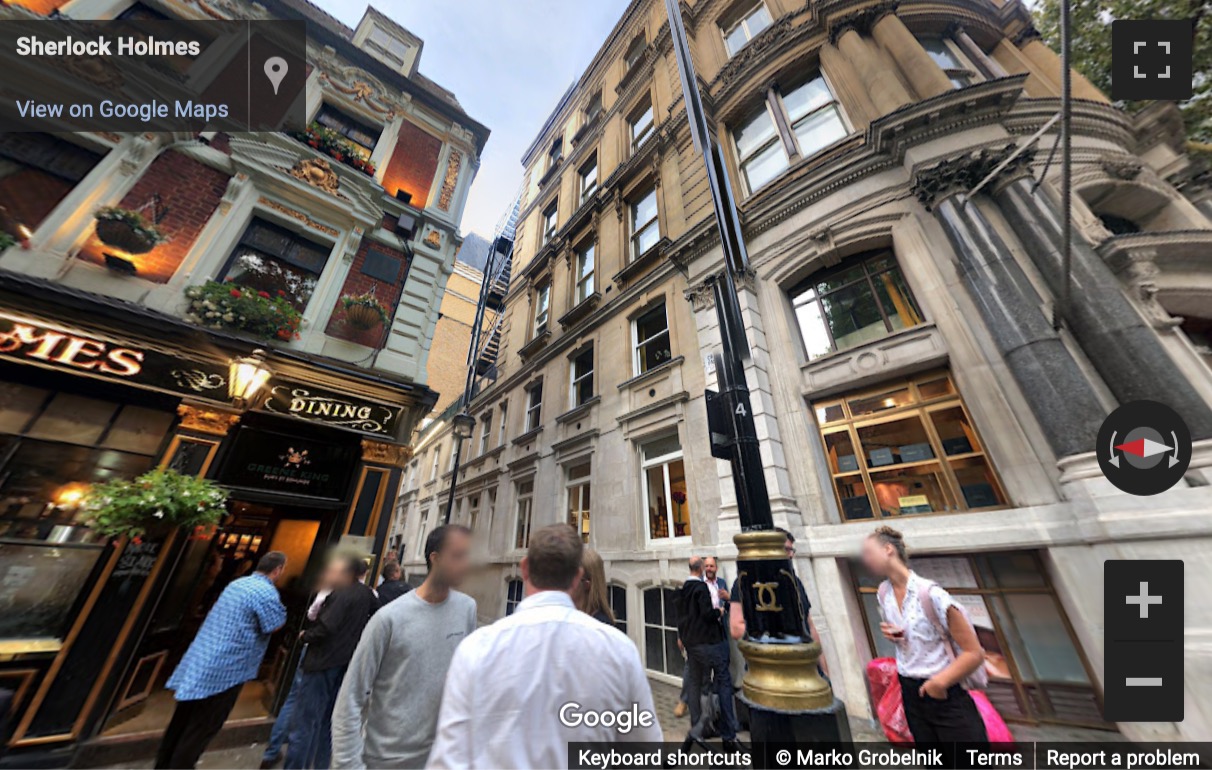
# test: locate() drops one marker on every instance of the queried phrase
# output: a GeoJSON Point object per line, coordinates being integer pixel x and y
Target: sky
{"type": "Point", "coordinates": [508, 62]}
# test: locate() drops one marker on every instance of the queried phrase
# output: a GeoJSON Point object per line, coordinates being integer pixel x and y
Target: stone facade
{"type": "Point", "coordinates": [956, 413]}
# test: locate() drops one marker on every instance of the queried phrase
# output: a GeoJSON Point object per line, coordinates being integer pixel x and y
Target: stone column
{"type": "Point", "coordinates": [1049, 63]}
{"type": "Point", "coordinates": [1063, 400]}
{"type": "Point", "coordinates": [1122, 347]}
{"type": "Point", "coordinates": [926, 77]}
{"type": "Point", "coordinates": [849, 86]}
{"type": "Point", "coordinates": [885, 90]}
{"type": "Point", "coordinates": [990, 66]}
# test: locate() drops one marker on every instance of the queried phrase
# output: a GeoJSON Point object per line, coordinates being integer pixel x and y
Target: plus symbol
{"type": "Point", "coordinates": [1144, 600]}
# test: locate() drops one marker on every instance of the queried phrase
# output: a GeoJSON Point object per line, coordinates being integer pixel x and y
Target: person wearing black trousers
{"type": "Point", "coordinates": [938, 709]}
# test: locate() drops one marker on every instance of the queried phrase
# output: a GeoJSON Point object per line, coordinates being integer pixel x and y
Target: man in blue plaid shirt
{"type": "Point", "coordinates": [226, 653]}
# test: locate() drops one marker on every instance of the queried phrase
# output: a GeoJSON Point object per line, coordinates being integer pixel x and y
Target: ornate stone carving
{"type": "Point", "coordinates": [1124, 168]}
{"type": "Point", "coordinates": [433, 237]}
{"type": "Point", "coordinates": [235, 186]}
{"type": "Point", "coordinates": [298, 215]}
{"type": "Point", "coordinates": [446, 196]}
{"type": "Point", "coordinates": [860, 21]}
{"type": "Point", "coordinates": [756, 50]}
{"type": "Point", "coordinates": [142, 149]}
{"type": "Point", "coordinates": [317, 173]}
{"type": "Point", "coordinates": [212, 422]}
{"type": "Point", "coordinates": [1140, 273]}
{"type": "Point", "coordinates": [960, 174]}
{"type": "Point", "coordinates": [385, 454]}
{"type": "Point", "coordinates": [701, 297]}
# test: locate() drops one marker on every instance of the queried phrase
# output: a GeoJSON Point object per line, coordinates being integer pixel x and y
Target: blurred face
{"type": "Point", "coordinates": [337, 575]}
{"type": "Point", "coordinates": [453, 562]}
{"type": "Point", "coordinates": [876, 556]}
{"type": "Point", "coordinates": [710, 568]}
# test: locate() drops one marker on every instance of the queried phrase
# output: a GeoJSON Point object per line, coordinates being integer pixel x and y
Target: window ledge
{"type": "Point", "coordinates": [551, 172]}
{"type": "Point", "coordinates": [652, 373]}
{"type": "Point", "coordinates": [529, 435]}
{"type": "Point", "coordinates": [578, 411]}
{"type": "Point", "coordinates": [585, 128]}
{"type": "Point", "coordinates": [535, 345]}
{"type": "Point", "coordinates": [641, 263]}
{"type": "Point", "coordinates": [582, 309]}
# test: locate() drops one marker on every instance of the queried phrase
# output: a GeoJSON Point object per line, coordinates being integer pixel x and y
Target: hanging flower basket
{"type": "Point", "coordinates": [153, 504]}
{"type": "Point", "coordinates": [127, 230]}
{"type": "Point", "coordinates": [364, 311]}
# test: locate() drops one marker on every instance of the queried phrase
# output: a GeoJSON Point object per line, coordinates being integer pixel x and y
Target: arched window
{"type": "Point", "coordinates": [860, 300]}
{"type": "Point", "coordinates": [660, 631]}
{"type": "Point", "coordinates": [1119, 225]}
{"type": "Point", "coordinates": [618, 605]}
{"type": "Point", "coordinates": [513, 595]}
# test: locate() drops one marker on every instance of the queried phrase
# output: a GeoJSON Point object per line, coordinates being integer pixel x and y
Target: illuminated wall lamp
{"type": "Point", "coordinates": [246, 376]}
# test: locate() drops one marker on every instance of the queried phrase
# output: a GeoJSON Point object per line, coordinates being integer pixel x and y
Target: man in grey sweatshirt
{"type": "Point", "coordinates": [387, 710]}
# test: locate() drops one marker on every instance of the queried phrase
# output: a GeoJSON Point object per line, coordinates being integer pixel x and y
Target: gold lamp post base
{"type": "Point", "coordinates": [782, 672]}
{"type": "Point", "coordinates": [785, 676]}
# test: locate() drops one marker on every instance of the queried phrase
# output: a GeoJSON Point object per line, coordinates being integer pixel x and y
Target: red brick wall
{"type": "Point", "coordinates": [191, 191]}
{"type": "Point", "coordinates": [358, 282]}
{"type": "Point", "coordinates": [29, 195]}
{"type": "Point", "coordinates": [413, 164]}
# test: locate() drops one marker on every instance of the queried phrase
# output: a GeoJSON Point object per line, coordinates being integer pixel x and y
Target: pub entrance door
{"type": "Point", "coordinates": [206, 564]}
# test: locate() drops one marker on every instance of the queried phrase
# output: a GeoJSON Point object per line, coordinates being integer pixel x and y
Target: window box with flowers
{"type": "Point", "coordinates": [335, 146]}
{"type": "Point", "coordinates": [241, 309]}
{"type": "Point", "coordinates": [156, 502]}
{"type": "Point", "coordinates": [128, 230]}
{"type": "Point", "coordinates": [364, 311]}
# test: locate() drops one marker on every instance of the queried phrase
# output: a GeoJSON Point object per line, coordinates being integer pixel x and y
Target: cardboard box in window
{"type": "Point", "coordinates": [957, 446]}
{"type": "Point", "coordinates": [847, 463]}
{"type": "Point", "coordinates": [857, 508]}
{"type": "Point", "coordinates": [980, 495]}
{"type": "Point", "coordinates": [881, 457]}
{"type": "Point", "coordinates": [913, 453]}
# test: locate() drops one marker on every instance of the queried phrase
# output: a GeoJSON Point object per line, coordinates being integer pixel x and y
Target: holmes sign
{"type": "Point", "coordinates": [34, 342]}
{"type": "Point", "coordinates": [332, 408]}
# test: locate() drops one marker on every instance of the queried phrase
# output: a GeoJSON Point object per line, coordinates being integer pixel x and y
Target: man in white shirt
{"type": "Point", "coordinates": [519, 691]}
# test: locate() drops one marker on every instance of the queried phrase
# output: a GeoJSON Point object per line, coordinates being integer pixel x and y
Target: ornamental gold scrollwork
{"type": "Point", "coordinates": [766, 597]}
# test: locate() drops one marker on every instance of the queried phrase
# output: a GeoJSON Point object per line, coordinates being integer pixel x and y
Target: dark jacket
{"type": "Point", "coordinates": [334, 635]}
{"type": "Point", "coordinates": [390, 590]}
{"type": "Point", "coordinates": [698, 622]}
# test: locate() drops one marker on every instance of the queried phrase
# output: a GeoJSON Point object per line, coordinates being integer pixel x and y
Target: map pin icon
{"type": "Point", "coordinates": [275, 70]}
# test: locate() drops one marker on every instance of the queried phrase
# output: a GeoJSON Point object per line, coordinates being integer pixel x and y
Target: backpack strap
{"type": "Point", "coordinates": [927, 603]}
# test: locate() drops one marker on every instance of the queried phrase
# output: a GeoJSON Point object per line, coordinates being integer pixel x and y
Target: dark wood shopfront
{"type": "Point", "coordinates": [91, 628]}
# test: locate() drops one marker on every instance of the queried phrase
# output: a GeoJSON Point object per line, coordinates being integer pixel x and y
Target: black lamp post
{"type": "Point", "coordinates": [788, 699]}
{"type": "Point", "coordinates": [462, 426]}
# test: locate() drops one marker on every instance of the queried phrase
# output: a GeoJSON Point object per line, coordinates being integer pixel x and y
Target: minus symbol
{"type": "Point", "coordinates": [1143, 681]}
